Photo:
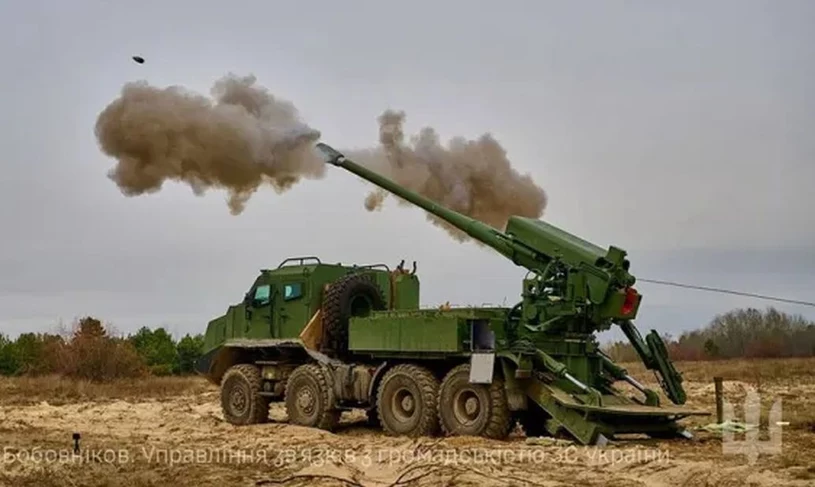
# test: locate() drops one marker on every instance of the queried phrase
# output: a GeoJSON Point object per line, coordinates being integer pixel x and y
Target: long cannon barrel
{"type": "Point", "coordinates": [516, 251]}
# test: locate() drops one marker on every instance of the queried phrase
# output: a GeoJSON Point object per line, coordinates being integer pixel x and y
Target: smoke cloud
{"type": "Point", "coordinates": [244, 137]}
{"type": "Point", "coordinates": [472, 177]}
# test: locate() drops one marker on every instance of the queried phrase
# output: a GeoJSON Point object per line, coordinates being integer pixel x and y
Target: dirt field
{"type": "Point", "coordinates": [170, 432]}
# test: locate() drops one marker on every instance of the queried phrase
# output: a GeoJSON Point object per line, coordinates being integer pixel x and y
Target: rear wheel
{"type": "Point", "coordinates": [407, 401]}
{"type": "Point", "coordinates": [241, 401]}
{"type": "Point", "coordinates": [473, 409]}
{"type": "Point", "coordinates": [309, 398]}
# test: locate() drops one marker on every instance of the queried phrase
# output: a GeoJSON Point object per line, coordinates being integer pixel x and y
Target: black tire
{"type": "Point", "coordinates": [241, 402]}
{"type": "Point", "coordinates": [309, 398]}
{"type": "Point", "coordinates": [348, 296]}
{"type": "Point", "coordinates": [467, 409]}
{"type": "Point", "coordinates": [407, 401]}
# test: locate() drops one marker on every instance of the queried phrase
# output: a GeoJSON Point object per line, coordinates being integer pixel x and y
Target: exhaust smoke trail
{"type": "Point", "coordinates": [245, 137]}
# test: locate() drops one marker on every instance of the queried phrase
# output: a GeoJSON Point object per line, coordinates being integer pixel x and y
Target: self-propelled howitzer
{"type": "Point", "coordinates": [324, 338]}
{"type": "Point", "coordinates": [573, 289]}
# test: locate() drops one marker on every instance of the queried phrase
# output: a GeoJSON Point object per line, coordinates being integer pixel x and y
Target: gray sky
{"type": "Point", "coordinates": [681, 132]}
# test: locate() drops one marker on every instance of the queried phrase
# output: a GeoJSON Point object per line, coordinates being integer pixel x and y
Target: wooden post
{"type": "Point", "coordinates": [717, 381]}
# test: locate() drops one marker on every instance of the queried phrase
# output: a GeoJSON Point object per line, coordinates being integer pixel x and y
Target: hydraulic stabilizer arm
{"type": "Point", "coordinates": [619, 373]}
{"type": "Point", "coordinates": [545, 361]}
{"type": "Point", "coordinates": [654, 355]}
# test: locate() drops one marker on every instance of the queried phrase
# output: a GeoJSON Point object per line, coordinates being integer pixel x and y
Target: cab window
{"type": "Point", "coordinates": [292, 291]}
{"type": "Point", "coordinates": [261, 297]}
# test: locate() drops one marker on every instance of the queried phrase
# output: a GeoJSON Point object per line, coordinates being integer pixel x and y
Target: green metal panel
{"type": "Point", "coordinates": [405, 333]}
{"type": "Point", "coordinates": [425, 331]}
{"type": "Point", "coordinates": [234, 321]}
{"type": "Point", "coordinates": [406, 295]}
{"type": "Point", "coordinates": [216, 334]}
{"type": "Point", "coordinates": [259, 324]}
{"type": "Point", "coordinates": [552, 241]}
{"type": "Point", "coordinates": [291, 306]}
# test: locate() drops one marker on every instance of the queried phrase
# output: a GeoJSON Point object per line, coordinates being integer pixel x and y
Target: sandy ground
{"type": "Point", "coordinates": [182, 440]}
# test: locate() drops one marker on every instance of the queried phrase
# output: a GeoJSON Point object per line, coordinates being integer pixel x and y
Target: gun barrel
{"type": "Point", "coordinates": [472, 227]}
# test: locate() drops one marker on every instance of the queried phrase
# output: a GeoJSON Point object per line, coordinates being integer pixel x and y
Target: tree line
{"type": "Point", "coordinates": [90, 351]}
{"type": "Point", "coordinates": [740, 333]}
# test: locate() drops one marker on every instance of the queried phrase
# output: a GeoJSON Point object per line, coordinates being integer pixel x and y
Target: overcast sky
{"type": "Point", "coordinates": [680, 131]}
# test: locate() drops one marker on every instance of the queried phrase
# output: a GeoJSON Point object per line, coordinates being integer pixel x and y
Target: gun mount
{"type": "Point", "coordinates": [573, 289]}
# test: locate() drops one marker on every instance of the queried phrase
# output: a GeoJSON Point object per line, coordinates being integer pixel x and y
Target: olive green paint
{"type": "Point", "coordinates": [281, 301]}
{"type": "Point", "coordinates": [546, 345]}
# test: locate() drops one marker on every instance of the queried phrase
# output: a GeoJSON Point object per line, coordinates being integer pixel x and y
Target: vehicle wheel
{"type": "Point", "coordinates": [241, 402]}
{"type": "Point", "coordinates": [347, 297]}
{"type": "Point", "coordinates": [407, 400]}
{"type": "Point", "coordinates": [473, 409]}
{"type": "Point", "coordinates": [309, 398]}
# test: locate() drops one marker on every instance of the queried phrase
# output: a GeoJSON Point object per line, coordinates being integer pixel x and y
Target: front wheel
{"type": "Point", "coordinates": [473, 409]}
{"type": "Point", "coordinates": [241, 401]}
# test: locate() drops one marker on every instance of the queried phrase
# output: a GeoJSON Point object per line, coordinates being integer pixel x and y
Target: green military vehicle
{"type": "Point", "coordinates": [324, 338]}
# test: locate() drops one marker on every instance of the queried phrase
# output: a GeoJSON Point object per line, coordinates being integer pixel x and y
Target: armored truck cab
{"type": "Point", "coordinates": [281, 303]}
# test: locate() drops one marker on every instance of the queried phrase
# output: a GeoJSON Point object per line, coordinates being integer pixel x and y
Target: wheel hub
{"type": "Point", "coordinates": [403, 405]}
{"type": "Point", "coordinates": [471, 406]}
{"type": "Point", "coordinates": [466, 406]}
{"type": "Point", "coordinates": [407, 404]}
{"type": "Point", "coordinates": [238, 401]}
{"type": "Point", "coordinates": [305, 401]}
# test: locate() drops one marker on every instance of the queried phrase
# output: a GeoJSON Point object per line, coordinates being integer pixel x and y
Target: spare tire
{"type": "Point", "coordinates": [347, 297]}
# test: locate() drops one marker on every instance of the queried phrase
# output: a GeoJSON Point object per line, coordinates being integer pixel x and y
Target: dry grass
{"type": "Point", "coordinates": [57, 390]}
{"type": "Point", "coordinates": [175, 413]}
{"type": "Point", "coordinates": [754, 370]}
{"type": "Point", "coordinates": [790, 379]}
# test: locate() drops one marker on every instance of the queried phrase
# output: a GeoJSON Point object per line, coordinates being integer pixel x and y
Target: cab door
{"type": "Point", "coordinates": [259, 312]}
{"type": "Point", "coordinates": [292, 313]}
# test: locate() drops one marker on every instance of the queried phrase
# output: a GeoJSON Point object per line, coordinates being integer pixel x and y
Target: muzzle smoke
{"type": "Point", "coordinates": [244, 137]}
{"type": "Point", "coordinates": [472, 177]}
